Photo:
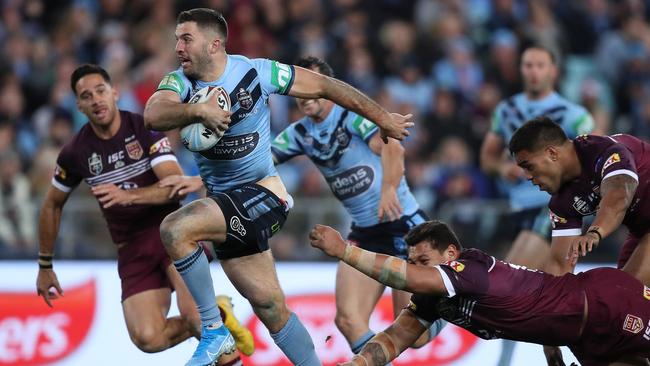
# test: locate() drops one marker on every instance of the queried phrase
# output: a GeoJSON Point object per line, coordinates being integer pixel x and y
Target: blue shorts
{"type": "Point", "coordinates": [535, 219]}
{"type": "Point", "coordinates": [253, 214]}
{"type": "Point", "coordinates": [387, 237]}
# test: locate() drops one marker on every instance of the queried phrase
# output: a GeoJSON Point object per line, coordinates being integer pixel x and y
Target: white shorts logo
{"type": "Point", "coordinates": [236, 225]}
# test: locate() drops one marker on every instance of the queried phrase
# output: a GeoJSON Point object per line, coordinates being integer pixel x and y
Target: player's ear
{"type": "Point", "coordinates": [552, 152]}
{"type": "Point", "coordinates": [451, 253]}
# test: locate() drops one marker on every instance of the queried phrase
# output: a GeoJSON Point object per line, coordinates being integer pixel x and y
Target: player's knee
{"type": "Point", "coordinates": [271, 309]}
{"type": "Point", "coordinates": [147, 340]}
{"type": "Point", "coordinates": [347, 323]}
{"type": "Point", "coordinates": [167, 229]}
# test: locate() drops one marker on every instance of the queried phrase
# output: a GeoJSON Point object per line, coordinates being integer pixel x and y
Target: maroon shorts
{"type": "Point", "coordinates": [627, 249]}
{"type": "Point", "coordinates": [142, 263]}
{"type": "Point", "coordinates": [618, 321]}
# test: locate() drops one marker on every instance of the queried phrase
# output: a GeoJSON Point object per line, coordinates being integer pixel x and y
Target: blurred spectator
{"type": "Point", "coordinates": [17, 210]}
{"type": "Point", "coordinates": [459, 71]}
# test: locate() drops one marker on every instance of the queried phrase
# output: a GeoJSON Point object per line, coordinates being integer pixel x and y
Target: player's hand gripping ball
{"type": "Point", "coordinates": [196, 136]}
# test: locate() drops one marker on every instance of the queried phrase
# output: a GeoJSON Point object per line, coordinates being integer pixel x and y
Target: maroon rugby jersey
{"type": "Point", "coordinates": [495, 299]}
{"type": "Point", "coordinates": [125, 160]}
{"type": "Point", "coordinates": [602, 157]}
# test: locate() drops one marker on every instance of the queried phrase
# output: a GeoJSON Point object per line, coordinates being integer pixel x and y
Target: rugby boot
{"type": "Point", "coordinates": [243, 336]}
{"type": "Point", "coordinates": [215, 341]}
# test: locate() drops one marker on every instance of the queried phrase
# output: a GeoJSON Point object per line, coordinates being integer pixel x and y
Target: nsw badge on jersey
{"type": "Point", "coordinates": [244, 98]}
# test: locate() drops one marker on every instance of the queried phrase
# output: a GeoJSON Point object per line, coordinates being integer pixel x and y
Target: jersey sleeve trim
{"type": "Point", "coordinates": [451, 291]}
{"type": "Point", "coordinates": [622, 171]}
{"type": "Point", "coordinates": [494, 262]}
{"type": "Point", "coordinates": [161, 159]}
{"type": "Point", "coordinates": [60, 186]}
{"type": "Point", "coordinates": [566, 232]}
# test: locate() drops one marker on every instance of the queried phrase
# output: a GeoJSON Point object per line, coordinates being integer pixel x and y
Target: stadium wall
{"type": "Point", "coordinates": [86, 326]}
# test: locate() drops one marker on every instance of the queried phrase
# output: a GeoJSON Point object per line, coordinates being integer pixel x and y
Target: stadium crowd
{"type": "Point", "coordinates": [449, 62]}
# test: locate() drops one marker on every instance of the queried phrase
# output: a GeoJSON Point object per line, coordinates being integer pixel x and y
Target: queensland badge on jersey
{"type": "Point", "coordinates": [134, 149]}
{"type": "Point", "coordinates": [646, 292]}
{"type": "Point", "coordinates": [95, 164]}
{"type": "Point", "coordinates": [456, 266]}
{"type": "Point", "coordinates": [60, 172]}
{"type": "Point", "coordinates": [555, 219]}
{"type": "Point", "coordinates": [632, 324]}
{"type": "Point", "coordinates": [614, 158]}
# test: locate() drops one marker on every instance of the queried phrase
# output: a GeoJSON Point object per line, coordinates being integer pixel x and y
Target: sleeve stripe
{"type": "Point", "coordinates": [160, 159]}
{"type": "Point", "coordinates": [60, 186]}
{"type": "Point", "coordinates": [567, 232]}
{"type": "Point", "coordinates": [451, 291]}
{"type": "Point", "coordinates": [290, 84]}
{"type": "Point", "coordinates": [622, 171]}
{"type": "Point", "coordinates": [494, 262]}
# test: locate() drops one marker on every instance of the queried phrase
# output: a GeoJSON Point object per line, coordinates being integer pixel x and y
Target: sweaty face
{"type": "Point", "coordinates": [97, 99]}
{"type": "Point", "coordinates": [192, 49]}
{"type": "Point", "coordinates": [422, 254]}
{"type": "Point", "coordinates": [538, 71]}
{"type": "Point", "coordinates": [541, 167]}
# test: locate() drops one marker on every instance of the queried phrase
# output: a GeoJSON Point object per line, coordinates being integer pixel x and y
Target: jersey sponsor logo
{"type": "Point", "coordinates": [233, 147]}
{"type": "Point", "coordinates": [33, 334]}
{"type": "Point", "coordinates": [555, 219]}
{"type": "Point", "coordinates": [161, 146]}
{"type": "Point", "coordinates": [316, 310]}
{"type": "Point", "coordinates": [646, 292]}
{"type": "Point", "coordinates": [363, 126]}
{"type": "Point", "coordinates": [116, 158]}
{"type": "Point", "coordinates": [237, 226]}
{"type": "Point", "coordinates": [128, 185]}
{"type": "Point", "coordinates": [280, 76]}
{"type": "Point", "coordinates": [456, 266]}
{"type": "Point", "coordinates": [60, 172]}
{"type": "Point", "coordinates": [633, 324]}
{"type": "Point", "coordinates": [244, 98]}
{"type": "Point", "coordinates": [134, 149]}
{"type": "Point", "coordinates": [172, 82]}
{"type": "Point", "coordinates": [95, 165]}
{"type": "Point", "coordinates": [613, 159]}
{"type": "Point", "coordinates": [586, 206]}
{"type": "Point", "coordinates": [351, 182]}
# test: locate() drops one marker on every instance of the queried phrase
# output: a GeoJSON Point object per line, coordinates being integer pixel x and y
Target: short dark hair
{"type": "Point", "coordinates": [536, 134]}
{"type": "Point", "coordinates": [437, 233]}
{"type": "Point", "coordinates": [87, 69]}
{"type": "Point", "coordinates": [551, 54]}
{"type": "Point", "coordinates": [205, 18]}
{"type": "Point", "coordinates": [311, 61]}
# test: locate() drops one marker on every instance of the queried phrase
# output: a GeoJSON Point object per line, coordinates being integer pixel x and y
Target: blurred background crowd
{"type": "Point", "coordinates": [449, 62]}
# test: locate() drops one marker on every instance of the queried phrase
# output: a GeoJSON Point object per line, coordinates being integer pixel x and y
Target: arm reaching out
{"type": "Point", "coordinates": [391, 271]}
{"type": "Point", "coordinates": [309, 84]}
{"type": "Point", "coordinates": [387, 345]}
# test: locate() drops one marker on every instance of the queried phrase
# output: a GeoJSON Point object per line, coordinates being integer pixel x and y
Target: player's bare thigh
{"type": "Point", "coordinates": [145, 314]}
{"type": "Point", "coordinates": [199, 220]}
{"type": "Point", "coordinates": [639, 263]}
{"type": "Point", "coordinates": [356, 297]}
{"type": "Point", "coordinates": [255, 278]}
{"type": "Point", "coordinates": [529, 249]}
{"type": "Point", "coordinates": [275, 185]}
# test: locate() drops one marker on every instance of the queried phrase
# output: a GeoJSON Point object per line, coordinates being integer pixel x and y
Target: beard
{"type": "Point", "coordinates": [199, 65]}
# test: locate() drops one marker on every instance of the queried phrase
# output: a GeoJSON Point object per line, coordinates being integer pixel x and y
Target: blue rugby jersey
{"type": "Point", "coordinates": [512, 113]}
{"type": "Point", "coordinates": [243, 155]}
{"type": "Point", "coordinates": [339, 147]}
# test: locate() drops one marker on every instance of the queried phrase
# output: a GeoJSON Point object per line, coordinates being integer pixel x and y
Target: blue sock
{"type": "Point", "coordinates": [295, 342]}
{"type": "Point", "coordinates": [195, 271]}
{"type": "Point", "coordinates": [436, 328]}
{"type": "Point", "coordinates": [357, 345]}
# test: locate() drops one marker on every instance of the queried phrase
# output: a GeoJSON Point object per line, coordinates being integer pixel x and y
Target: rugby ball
{"type": "Point", "coordinates": [196, 136]}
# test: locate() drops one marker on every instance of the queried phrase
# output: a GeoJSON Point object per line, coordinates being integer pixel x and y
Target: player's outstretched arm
{"type": "Point", "coordinates": [391, 271]}
{"type": "Point", "coordinates": [387, 345]}
{"type": "Point", "coordinates": [309, 84]}
{"type": "Point", "coordinates": [48, 228]}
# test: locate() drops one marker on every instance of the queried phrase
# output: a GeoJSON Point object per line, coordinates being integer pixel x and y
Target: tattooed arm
{"type": "Point", "coordinates": [391, 271]}
{"type": "Point", "coordinates": [387, 345]}
{"type": "Point", "coordinates": [617, 193]}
